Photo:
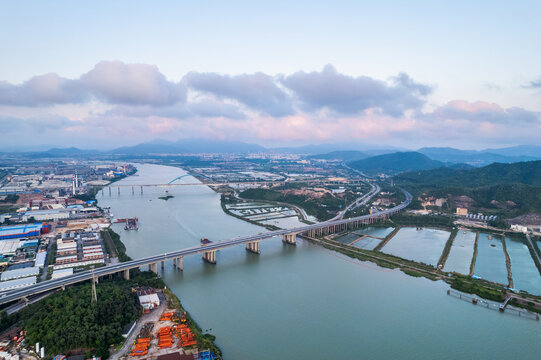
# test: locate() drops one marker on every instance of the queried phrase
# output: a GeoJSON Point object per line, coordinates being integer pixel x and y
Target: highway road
{"type": "Point", "coordinates": [359, 202]}
{"type": "Point", "coordinates": [49, 285]}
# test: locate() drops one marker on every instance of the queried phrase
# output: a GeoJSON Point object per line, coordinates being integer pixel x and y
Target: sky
{"type": "Point", "coordinates": [101, 74]}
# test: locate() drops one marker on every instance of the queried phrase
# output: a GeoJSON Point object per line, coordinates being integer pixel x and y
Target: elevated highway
{"type": "Point", "coordinates": [208, 251]}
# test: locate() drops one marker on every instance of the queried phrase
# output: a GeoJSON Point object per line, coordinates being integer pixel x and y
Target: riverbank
{"type": "Point", "coordinates": [244, 291]}
{"type": "Point", "coordinates": [204, 341]}
{"type": "Point", "coordinates": [480, 287]}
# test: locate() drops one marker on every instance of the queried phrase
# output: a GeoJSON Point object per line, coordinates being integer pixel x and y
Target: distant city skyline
{"type": "Point", "coordinates": [423, 73]}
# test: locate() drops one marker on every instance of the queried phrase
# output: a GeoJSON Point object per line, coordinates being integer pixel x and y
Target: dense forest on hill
{"type": "Point", "coordinates": [510, 189]}
{"type": "Point", "coordinates": [395, 163]}
{"type": "Point", "coordinates": [69, 320]}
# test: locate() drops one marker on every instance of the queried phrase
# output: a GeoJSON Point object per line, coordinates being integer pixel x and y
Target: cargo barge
{"type": "Point", "coordinates": [131, 224]}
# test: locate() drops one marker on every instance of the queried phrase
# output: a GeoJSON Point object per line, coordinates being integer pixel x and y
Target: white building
{"type": "Point", "coordinates": [19, 273]}
{"type": "Point", "coordinates": [521, 228]}
{"type": "Point", "coordinates": [17, 283]}
{"type": "Point", "coordinates": [60, 273]}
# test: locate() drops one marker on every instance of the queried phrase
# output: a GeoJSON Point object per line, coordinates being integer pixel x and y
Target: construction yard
{"type": "Point", "coordinates": [163, 332]}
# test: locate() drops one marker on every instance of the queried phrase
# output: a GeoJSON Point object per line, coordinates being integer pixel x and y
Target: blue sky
{"type": "Point", "coordinates": [478, 58]}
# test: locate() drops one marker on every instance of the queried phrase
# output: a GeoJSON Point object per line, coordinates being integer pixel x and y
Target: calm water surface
{"type": "Point", "coordinates": [305, 302]}
{"type": "Point", "coordinates": [461, 253]}
{"type": "Point", "coordinates": [525, 273]}
{"type": "Point", "coordinates": [424, 245]}
{"type": "Point", "coordinates": [490, 261]}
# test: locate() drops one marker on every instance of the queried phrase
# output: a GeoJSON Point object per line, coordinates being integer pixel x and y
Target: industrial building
{"type": "Point", "coordinates": [17, 283]}
{"type": "Point", "coordinates": [60, 273]}
{"type": "Point", "coordinates": [19, 273]}
{"type": "Point", "coordinates": [66, 259]}
{"type": "Point", "coordinates": [41, 257]}
{"type": "Point", "coordinates": [9, 247]}
{"type": "Point", "coordinates": [21, 231]}
{"type": "Point", "coordinates": [148, 299]}
{"type": "Point", "coordinates": [48, 215]}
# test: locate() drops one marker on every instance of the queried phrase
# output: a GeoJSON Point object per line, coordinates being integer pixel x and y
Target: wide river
{"type": "Point", "coordinates": [304, 302]}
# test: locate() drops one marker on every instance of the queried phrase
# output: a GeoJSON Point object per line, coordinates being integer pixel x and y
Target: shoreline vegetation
{"type": "Point", "coordinates": [56, 320]}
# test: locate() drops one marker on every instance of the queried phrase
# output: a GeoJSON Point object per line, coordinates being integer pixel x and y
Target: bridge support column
{"type": "Point", "coordinates": [126, 274]}
{"type": "Point", "coordinates": [163, 265]}
{"type": "Point", "coordinates": [253, 246]}
{"type": "Point", "coordinates": [109, 190]}
{"type": "Point", "coordinates": [290, 239]}
{"type": "Point", "coordinates": [179, 263]}
{"type": "Point", "coordinates": [153, 267]}
{"type": "Point", "coordinates": [132, 190]}
{"type": "Point", "coordinates": [118, 188]}
{"type": "Point", "coordinates": [141, 189]}
{"type": "Point", "coordinates": [210, 256]}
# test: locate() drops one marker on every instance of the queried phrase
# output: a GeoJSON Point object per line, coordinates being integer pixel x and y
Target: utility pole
{"type": "Point", "coordinates": [94, 294]}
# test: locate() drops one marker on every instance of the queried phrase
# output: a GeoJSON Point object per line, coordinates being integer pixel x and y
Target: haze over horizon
{"type": "Point", "coordinates": [274, 75]}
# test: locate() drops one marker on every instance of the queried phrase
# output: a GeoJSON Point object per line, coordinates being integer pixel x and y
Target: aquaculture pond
{"type": "Point", "coordinates": [490, 262]}
{"type": "Point", "coordinates": [461, 253]}
{"type": "Point", "coordinates": [380, 232]}
{"type": "Point", "coordinates": [422, 245]}
{"type": "Point", "coordinates": [525, 274]}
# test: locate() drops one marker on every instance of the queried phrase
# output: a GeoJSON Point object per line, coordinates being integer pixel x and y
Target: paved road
{"type": "Point", "coordinates": [358, 202]}
{"type": "Point", "coordinates": [154, 316]}
{"type": "Point", "coordinates": [115, 268]}
{"type": "Point", "coordinates": [533, 248]}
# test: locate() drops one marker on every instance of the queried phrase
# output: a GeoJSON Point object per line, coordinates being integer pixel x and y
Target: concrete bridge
{"type": "Point", "coordinates": [209, 252]}
{"type": "Point", "coordinates": [139, 187]}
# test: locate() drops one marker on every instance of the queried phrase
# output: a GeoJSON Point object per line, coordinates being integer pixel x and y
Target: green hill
{"type": "Point", "coordinates": [396, 163]}
{"type": "Point", "coordinates": [528, 173]}
{"type": "Point", "coordinates": [505, 189]}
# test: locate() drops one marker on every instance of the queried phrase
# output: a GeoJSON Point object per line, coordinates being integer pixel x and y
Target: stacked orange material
{"type": "Point", "coordinates": [141, 348]}
{"type": "Point", "coordinates": [165, 337]}
{"type": "Point", "coordinates": [187, 336]}
{"type": "Point", "coordinates": [166, 316]}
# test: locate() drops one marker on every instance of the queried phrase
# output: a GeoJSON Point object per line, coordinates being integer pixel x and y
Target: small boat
{"type": "Point", "coordinates": [205, 241]}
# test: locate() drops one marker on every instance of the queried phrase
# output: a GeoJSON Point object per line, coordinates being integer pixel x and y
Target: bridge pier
{"type": "Point", "coordinates": [132, 190]}
{"type": "Point", "coordinates": [290, 239]}
{"type": "Point", "coordinates": [118, 188]}
{"type": "Point", "coordinates": [153, 267]}
{"type": "Point", "coordinates": [210, 256]}
{"type": "Point", "coordinates": [253, 246]}
{"type": "Point", "coordinates": [109, 190]}
{"type": "Point", "coordinates": [178, 263]}
{"type": "Point", "coordinates": [163, 265]}
{"type": "Point", "coordinates": [141, 189]}
{"type": "Point", "coordinates": [126, 274]}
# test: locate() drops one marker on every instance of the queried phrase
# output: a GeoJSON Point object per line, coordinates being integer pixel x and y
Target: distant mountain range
{"type": "Point", "coordinates": [483, 157]}
{"type": "Point", "coordinates": [346, 151]}
{"type": "Point", "coordinates": [396, 163]}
